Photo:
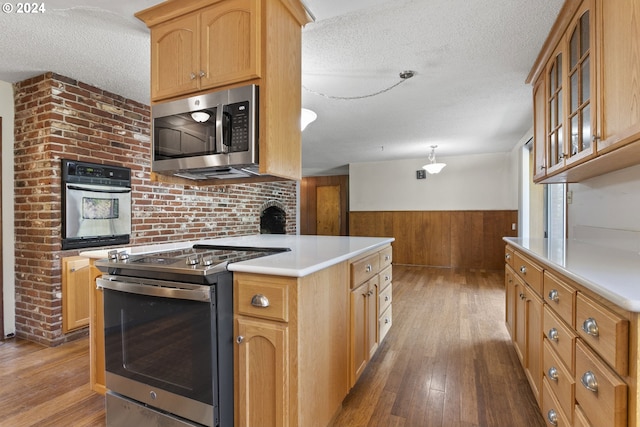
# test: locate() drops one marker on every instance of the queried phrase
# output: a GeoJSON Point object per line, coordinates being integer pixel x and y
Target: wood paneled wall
{"type": "Point", "coordinates": [456, 239]}
{"type": "Point", "coordinates": [308, 202]}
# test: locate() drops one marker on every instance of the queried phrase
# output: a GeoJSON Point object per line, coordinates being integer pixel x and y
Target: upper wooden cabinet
{"type": "Point", "coordinates": [205, 49]}
{"type": "Point", "coordinates": [586, 114]}
{"type": "Point", "coordinates": [198, 46]}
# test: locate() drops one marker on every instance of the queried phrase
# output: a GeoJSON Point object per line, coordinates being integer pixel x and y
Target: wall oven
{"type": "Point", "coordinates": [96, 205]}
{"type": "Point", "coordinates": [168, 320]}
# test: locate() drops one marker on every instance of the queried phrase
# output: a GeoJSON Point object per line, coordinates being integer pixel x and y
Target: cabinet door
{"type": "Point", "coordinates": [261, 360]}
{"type": "Point", "coordinates": [520, 332]}
{"type": "Point", "coordinates": [555, 130]}
{"type": "Point", "coordinates": [372, 316]}
{"type": "Point", "coordinates": [580, 69]}
{"type": "Point", "coordinates": [174, 57]}
{"type": "Point", "coordinates": [75, 293]}
{"type": "Point", "coordinates": [230, 41]}
{"type": "Point", "coordinates": [539, 130]}
{"type": "Point", "coordinates": [510, 300]}
{"type": "Point", "coordinates": [533, 328]}
{"type": "Point", "coordinates": [618, 43]}
{"type": "Point", "coordinates": [359, 346]}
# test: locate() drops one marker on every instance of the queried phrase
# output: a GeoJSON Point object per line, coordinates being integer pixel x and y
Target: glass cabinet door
{"type": "Point", "coordinates": [555, 140]}
{"type": "Point", "coordinates": [580, 120]}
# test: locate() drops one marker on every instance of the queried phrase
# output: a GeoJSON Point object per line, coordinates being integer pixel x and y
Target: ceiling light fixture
{"type": "Point", "coordinates": [200, 116]}
{"type": "Point", "coordinates": [307, 116]}
{"type": "Point", "coordinates": [433, 167]}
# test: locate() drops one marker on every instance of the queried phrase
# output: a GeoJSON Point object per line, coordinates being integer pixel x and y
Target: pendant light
{"type": "Point", "coordinates": [433, 167]}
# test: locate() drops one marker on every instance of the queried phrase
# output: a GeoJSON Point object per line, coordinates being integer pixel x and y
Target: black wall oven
{"type": "Point", "coordinates": [96, 205]}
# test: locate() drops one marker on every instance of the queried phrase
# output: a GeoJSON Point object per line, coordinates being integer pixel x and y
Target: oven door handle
{"type": "Point", "coordinates": [99, 190]}
{"type": "Point", "coordinates": [200, 293]}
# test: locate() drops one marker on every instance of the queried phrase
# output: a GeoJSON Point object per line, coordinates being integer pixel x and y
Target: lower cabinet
{"type": "Point", "coordinates": [577, 349]}
{"type": "Point", "coordinates": [262, 356]}
{"type": "Point", "coordinates": [364, 326]}
{"type": "Point", "coordinates": [75, 293]}
{"type": "Point", "coordinates": [97, 366]}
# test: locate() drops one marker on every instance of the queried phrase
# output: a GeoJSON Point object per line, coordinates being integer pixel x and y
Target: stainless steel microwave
{"type": "Point", "coordinates": [212, 135]}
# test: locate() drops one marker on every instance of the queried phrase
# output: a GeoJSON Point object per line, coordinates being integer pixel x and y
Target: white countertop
{"type": "Point", "coordinates": [612, 273]}
{"type": "Point", "coordinates": [308, 253]}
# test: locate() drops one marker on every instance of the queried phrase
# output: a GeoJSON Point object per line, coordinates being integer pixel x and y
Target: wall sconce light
{"type": "Point", "coordinates": [307, 116]}
{"type": "Point", "coordinates": [433, 167]}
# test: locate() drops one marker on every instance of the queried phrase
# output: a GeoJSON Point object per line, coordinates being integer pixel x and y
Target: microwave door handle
{"type": "Point", "coordinates": [101, 190]}
{"type": "Point", "coordinates": [220, 147]}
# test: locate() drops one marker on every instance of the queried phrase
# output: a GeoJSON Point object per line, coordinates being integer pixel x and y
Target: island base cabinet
{"type": "Point", "coordinates": [263, 377]}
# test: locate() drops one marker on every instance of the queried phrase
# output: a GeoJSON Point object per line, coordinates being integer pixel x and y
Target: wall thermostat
{"type": "Point", "coordinates": [421, 174]}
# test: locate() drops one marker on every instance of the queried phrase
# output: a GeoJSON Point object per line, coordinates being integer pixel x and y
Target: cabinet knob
{"type": "Point", "coordinates": [553, 334]}
{"type": "Point", "coordinates": [202, 74]}
{"type": "Point", "coordinates": [368, 268]}
{"type": "Point", "coordinates": [589, 381]}
{"type": "Point", "coordinates": [595, 138]}
{"type": "Point", "coordinates": [522, 296]}
{"type": "Point", "coordinates": [387, 320]}
{"type": "Point", "coordinates": [507, 257]}
{"type": "Point", "coordinates": [553, 295]}
{"type": "Point", "coordinates": [552, 417]}
{"type": "Point", "coordinates": [590, 327]}
{"type": "Point", "coordinates": [260, 301]}
{"type": "Point", "coordinates": [240, 339]}
{"type": "Point", "coordinates": [387, 278]}
{"type": "Point", "coordinates": [552, 373]}
{"type": "Point", "coordinates": [523, 270]}
{"type": "Point", "coordinates": [192, 76]}
{"type": "Point", "coordinates": [386, 298]}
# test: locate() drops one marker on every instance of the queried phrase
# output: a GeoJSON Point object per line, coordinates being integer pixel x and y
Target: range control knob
{"type": "Point", "coordinates": [193, 260]}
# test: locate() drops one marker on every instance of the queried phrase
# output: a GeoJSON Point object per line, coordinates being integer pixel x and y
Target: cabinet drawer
{"type": "Point", "coordinates": [560, 379]}
{"type": "Point", "coordinates": [606, 404]}
{"type": "Point", "coordinates": [579, 418]}
{"type": "Point", "coordinates": [265, 300]}
{"type": "Point", "coordinates": [551, 411]}
{"type": "Point", "coordinates": [529, 271]}
{"type": "Point", "coordinates": [561, 338]}
{"type": "Point", "coordinates": [606, 332]}
{"type": "Point", "coordinates": [508, 255]}
{"type": "Point", "coordinates": [386, 277]}
{"type": "Point", "coordinates": [384, 298]}
{"type": "Point", "coordinates": [364, 269]}
{"type": "Point", "coordinates": [384, 323]}
{"type": "Point", "coordinates": [560, 296]}
{"type": "Point", "coordinates": [386, 257]}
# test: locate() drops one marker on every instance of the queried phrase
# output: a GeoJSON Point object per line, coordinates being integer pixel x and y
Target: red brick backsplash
{"type": "Point", "coordinates": [57, 118]}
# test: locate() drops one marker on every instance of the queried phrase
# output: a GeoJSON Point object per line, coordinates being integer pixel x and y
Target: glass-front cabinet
{"type": "Point", "coordinates": [582, 137]}
{"type": "Point", "coordinates": [565, 135]}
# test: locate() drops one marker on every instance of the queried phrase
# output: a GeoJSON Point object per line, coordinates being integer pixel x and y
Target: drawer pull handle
{"type": "Point", "coordinates": [553, 373]}
{"type": "Point", "coordinates": [386, 298]}
{"type": "Point", "coordinates": [590, 327]}
{"type": "Point", "coordinates": [387, 257]}
{"type": "Point", "coordinates": [387, 278]}
{"type": "Point", "coordinates": [387, 320]}
{"type": "Point", "coordinates": [507, 257]}
{"type": "Point", "coordinates": [552, 417]}
{"type": "Point", "coordinates": [553, 334]}
{"type": "Point", "coordinates": [368, 268]}
{"type": "Point", "coordinates": [589, 381]}
{"type": "Point", "coordinates": [553, 296]}
{"type": "Point", "coordinates": [523, 270]}
{"type": "Point", "coordinates": [260, 301]}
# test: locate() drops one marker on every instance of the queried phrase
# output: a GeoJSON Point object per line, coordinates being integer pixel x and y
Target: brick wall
{"type": "Point", "coordinates": [57, 117]}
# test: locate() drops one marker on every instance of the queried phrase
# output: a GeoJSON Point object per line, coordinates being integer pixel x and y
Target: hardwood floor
{"type": "Point", "coordinates": [447, 361]}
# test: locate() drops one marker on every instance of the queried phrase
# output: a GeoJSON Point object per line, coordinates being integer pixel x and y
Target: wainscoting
{"type": "Point", "coordinates": [457, 239]}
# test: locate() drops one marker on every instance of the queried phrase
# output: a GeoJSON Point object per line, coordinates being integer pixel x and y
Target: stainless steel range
{"type": "Point", "coordinates": [169, 335]}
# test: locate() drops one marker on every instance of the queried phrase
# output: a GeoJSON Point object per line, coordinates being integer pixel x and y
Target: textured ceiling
{"type": "Point", "coordinates": [470, 59]}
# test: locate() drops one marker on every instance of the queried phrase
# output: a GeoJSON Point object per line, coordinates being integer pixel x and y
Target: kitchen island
{"type": "Point", "coordinates": [573, 309]}
{"type": "Point", "coordinates": [306, 322]}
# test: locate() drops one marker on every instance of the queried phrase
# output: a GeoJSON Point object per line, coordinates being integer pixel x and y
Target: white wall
{"type": "Point", "coordinates": [8, 253]}
{"type": "Point", "coordinates": [607, 208]}
{"type": "Point", "coordinates": [476, 182]}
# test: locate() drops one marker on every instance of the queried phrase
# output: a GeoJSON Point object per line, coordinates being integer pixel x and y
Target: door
{"type": "Point", "coordinates": [328, 210]}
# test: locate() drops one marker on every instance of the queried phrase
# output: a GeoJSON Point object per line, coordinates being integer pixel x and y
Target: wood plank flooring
{"type": "Point", "coordinates": [447, 361]}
